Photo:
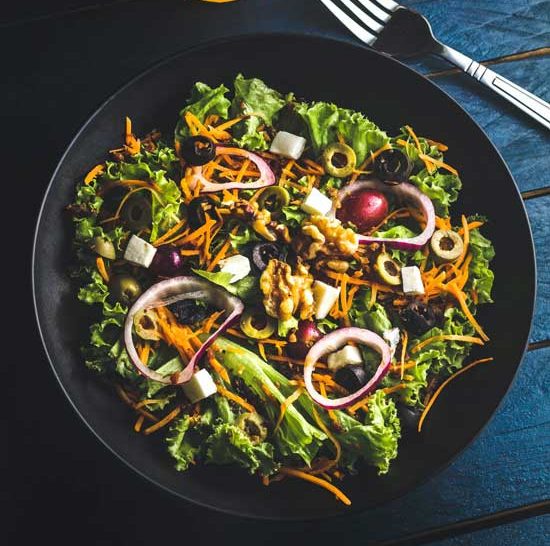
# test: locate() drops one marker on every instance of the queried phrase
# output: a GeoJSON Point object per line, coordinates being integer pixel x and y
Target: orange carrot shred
{"type": "Point", "coordinates": [444, 384]}
{"type": "Point", "coordinates": [318, 481]}
{"type": "Point", "coordinates": [100, 263]}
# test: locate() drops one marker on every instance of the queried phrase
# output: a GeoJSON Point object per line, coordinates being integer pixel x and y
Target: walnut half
{"type": "Point", "coordinates": [287, 293]}
{"type": "Point", "coordinates": [327, 237]}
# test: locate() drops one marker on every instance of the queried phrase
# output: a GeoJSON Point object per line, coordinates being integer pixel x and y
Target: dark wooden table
{"type": "Point", "coordinates": [62, 58]}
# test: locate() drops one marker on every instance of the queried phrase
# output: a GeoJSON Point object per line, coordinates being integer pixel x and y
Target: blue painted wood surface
{"type": "Point", "coordinates": [507, 465]}
{"type": "Point", "coordinates": [533, 532]}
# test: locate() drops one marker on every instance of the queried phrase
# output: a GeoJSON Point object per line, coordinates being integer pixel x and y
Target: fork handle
{"type": "Point", "coordinates": [532, 105]}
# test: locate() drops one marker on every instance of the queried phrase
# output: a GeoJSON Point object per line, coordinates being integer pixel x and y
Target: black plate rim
{"type": "Point", "coordinates": [277, 35]}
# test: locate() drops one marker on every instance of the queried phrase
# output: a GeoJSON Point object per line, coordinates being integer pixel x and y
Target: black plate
{"type": "Point", "coordinates": [391, 95]}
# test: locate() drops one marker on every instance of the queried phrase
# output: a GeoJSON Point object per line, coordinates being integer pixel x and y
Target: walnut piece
{"type": "Point", "coordinates": [327, 236]}
{"type": "Point", "coordinates": [287, 293]}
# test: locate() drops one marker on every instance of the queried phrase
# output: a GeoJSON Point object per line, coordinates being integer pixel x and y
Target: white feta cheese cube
{"type": "Point", "coordinates": [316, 203]}
{"type": "Point", "coordinates": [392, 337]}
{"type": "Point", "coordinates": [324, 297]}
{"type": "Point", "coordinates": [288, 145]}
{"type": "Point", "coordinates": [139, 252]}
{"type": "Point", "coordinates": [199, 387]}
{"type": "Point", "coordinates": [412, 280]}
{"type": "Point", "coordinates": [238, 266]}
{"type": "Point", "coordinates": [344, 357]}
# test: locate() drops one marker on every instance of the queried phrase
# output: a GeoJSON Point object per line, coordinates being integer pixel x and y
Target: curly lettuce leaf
{"type": "Point", "coordinates": [376, 439]}
{"type": "Point", "coordinates": [253, 96]}
{"type": "Point", "coordinates": [229, 444]}
{"type": "Point", "coordinates": [325, 121]}
{"type": "Point", "coordinates": [445, 356]}
{"type": "Point", "coordinates": [373, 318]}
{"type": "Point", "coordinates": [442, 189]}
{"type": "Point", "coordinates": [204, 101]}
{"type": "Point", "coordinates": [95, 291]}
{"type": "Point", "coordinates": [481, 277]}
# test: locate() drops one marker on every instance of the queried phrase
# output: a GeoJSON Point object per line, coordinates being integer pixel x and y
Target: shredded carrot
{"type": "Point", "coordinates": [399, 213]}
{"type": "Point", "coordinates": [330, 436]}
{"type": "Point", "coordinates": [395, 388]}
{"type": "Point", "coordinates": [163, 422]}
{"type": "Point", "coordinates": [373, 293]}
{"type": "Point", "coordinates": [353, 280]}
{"type": "Point", "coordinates": [405, 366]}
{"type": "Point", "coordinates": [228, 124]}
{"type": "Point", "coordinates": [189, 252]}
{"type": "Point", "coordinates": [223, 251]}
{"type": "Point", "coordinates": [459, 296]}
{"type": "Point", "coordinates": [100, 263]}
{"type": "Point", "coordinates": [172, 231]}
{"type": "Point", "coordinates": [318, 481]}
{"type": "Point", "coordinates": [442, 223]}
{"type": "Point", "coordinates": [218, 367]}
{"type": "Point", "coordinates": [404, 341]}
{"type": "Point", "coordinates": [439, 145]}
{"type": "Point", "coordinates": [195, 234]}
{"type": "Point", "coordinates": [438, 163]}
{"type": "Point", "coordinates": [236, 398]}
{"type": "Point", "coordinates": [351, 294]}
{"type": "Point", "coordinates": [315, 166]}
{"type": "Point", "coordinates": [446, 337]}
{"type": "Point", "coordinates": [97, 170]}
{"type": "Point", "coordinates": [143, 353]}
{"type": "Point", "coordinates": [147, 402]}
{"type": "Point", "coordinates": [261, 350]}
{"type": "Point", "coordinates": [361, 404]}
{"type": "Point", "coordinates": [139, 423]}
{"type": "Point", "coordinates": [288, 401]}
{"type": "Point", "coordinates": [444, 384]}
{"type": "Point", "coordinates": [472, 225]}
{"type": "Point", "coordinates": [209, 323]}
{"type": "Point", "coordinates": [287, 360]}
{"type": "Point", "coordinates": [465, 239]}
{"type": "Point", "coordinates": [196, 127]}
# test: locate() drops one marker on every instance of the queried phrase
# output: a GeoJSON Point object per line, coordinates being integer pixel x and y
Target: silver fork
{"type": "Point", "coordinates": [396, 30]}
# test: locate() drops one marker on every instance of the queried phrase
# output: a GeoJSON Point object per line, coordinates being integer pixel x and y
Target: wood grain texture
{"type": "Point", "coordinates": [485, 29]}
{"type": "Point", "coordinates": [539, 216]}
{"type": "Point", "coordinates": [534, 531]}
{"type": "Point", "coordinates": [522, 142]}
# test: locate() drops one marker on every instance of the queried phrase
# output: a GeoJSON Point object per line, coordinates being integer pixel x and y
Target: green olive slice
{"type": "Point", "coordinates": [125, 289]}
{"type": "Point", "coordinates": [273, 198]}
{"type": "Point", "coordinates": [146, 325]}
{"type": "Point", "coordinates": [339, 160]}
{"type": "Point", "coordinates": [388, 270]}
{"type": "Point", "coordinates": [447, 245]}
{"type": "Point", "coordinates": [257, 325]}
{"type": "Point", "coordinates": [253, 424]}
{"type": "Point", "coordinates": [104, 248]}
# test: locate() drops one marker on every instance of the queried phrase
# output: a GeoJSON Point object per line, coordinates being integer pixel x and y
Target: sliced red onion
{"type": "Point", "coordinates": [407, 193]}
{"type": "Point", "coordinates": [172, 290]}
{"type": "Point", "coordinates": [267, 177]}
{"type": "Point", "coordinates": [332, 342]}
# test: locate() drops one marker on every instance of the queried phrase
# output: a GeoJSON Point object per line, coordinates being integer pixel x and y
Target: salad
{"type": "Point", "coordinates": [279, 284]}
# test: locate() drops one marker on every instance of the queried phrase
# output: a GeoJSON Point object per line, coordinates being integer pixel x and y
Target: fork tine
{"type": "Point", "coordinates": [347, 21]}
{"type": "Point", "coordinates": [375, 11]}
{"type": "Point", "coordinates": [366, 19]}
{"type": "Point", "coordinates": [390, 5]}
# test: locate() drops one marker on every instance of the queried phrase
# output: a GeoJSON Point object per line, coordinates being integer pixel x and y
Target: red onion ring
{"type": "Point", "coordinates": [170, 291]}
{"type": "Point", "coordinates": [332, 342]}
{"type": "Point", "coordinates": [267, 177]}
{"type": "Point", "coordinates": [406, 192]}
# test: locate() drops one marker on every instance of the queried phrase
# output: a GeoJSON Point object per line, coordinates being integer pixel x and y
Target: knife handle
{"type": "Point", "coordinates": [532, 105]}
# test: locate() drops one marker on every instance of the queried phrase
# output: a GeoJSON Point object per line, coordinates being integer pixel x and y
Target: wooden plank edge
{"type": "Point", "coordinates": [538, 345]}
{"type": "Point", "coordinates": [472, 525]}
{"type": "Point", "coordinates": [530, 54]}
{"type": "Point", "coordinates": [532, 194]}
